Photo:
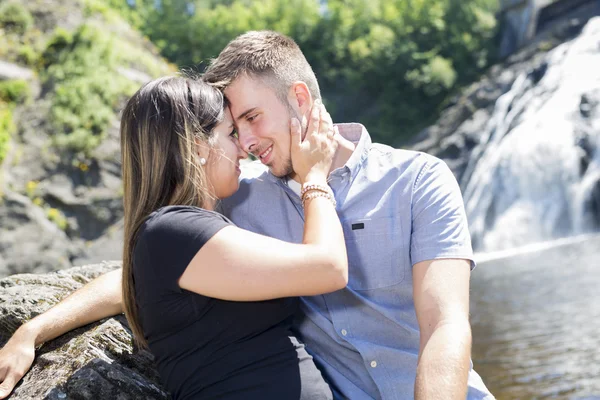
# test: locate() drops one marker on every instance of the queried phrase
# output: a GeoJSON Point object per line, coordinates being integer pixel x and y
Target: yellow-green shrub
{"type": "Point", "coordinates": [82, 68]}
{"type": "Point", "coordinates": [14, 17]}
{"type": "Point", "coordinates": [56, 216]}
{"type": "Point", "coordinates": [27, 55]}
{"type": "Point", "coordinates": [14, 91]}
{"type": "Point", "coordinates": [83, 71]}
{"type": "Point", "coordinates": [7, 128]}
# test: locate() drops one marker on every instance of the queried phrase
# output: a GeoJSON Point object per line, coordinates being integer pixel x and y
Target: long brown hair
{"type": "Point", "coordinates": [160, 127]}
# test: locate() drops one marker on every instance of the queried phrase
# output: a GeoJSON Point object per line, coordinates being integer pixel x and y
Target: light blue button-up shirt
{"type": "Point", "coordinates": [397, 208]}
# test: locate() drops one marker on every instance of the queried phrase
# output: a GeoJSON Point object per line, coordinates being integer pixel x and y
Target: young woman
{"type": "Point", "coordinates": [213, 302]}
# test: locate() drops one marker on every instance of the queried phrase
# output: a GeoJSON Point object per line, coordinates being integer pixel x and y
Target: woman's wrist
{"type": "Point", "coordinates": [313, 194]}
{"type": "Point", "coordinates": [318, 178]}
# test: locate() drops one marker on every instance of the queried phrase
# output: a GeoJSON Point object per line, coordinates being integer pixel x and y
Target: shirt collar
{"type": "Point", "coordinates": [357, 134]}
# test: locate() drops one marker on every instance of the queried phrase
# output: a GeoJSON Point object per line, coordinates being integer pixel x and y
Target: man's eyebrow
{"type": "Point", "coordinates": [245, 113]}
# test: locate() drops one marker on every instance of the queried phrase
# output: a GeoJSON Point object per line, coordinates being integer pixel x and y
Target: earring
{"type": "Point", "coordinates": [203, 161]}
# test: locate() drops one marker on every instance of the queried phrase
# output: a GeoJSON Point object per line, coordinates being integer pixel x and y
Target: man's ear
{"type": "Point", "coordinates": [300, 98]}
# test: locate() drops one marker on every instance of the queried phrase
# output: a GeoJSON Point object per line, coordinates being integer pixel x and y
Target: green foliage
{"type": "Point", "coordinates": [189, 39]}
{"type": "Point", "coordinates": [397, 61]}
{"type": "Point", "coordinates": [58, 43]}
{"type": "Point", "coordinates": [14, 17]}
{"type": "Point", "coordinates": [390, 64]}
{"type": "Point", "coordinates": [82, 68]}
{"type": "Point", "coordinates": [115, 10]}
{"type": "Point", "coordinates": [434, 77]}
{"type": "Point", "coordinates": [7, 128]}
{"type": "Point", "coordinates": [27, 55]}
{"type": "Point", "coordinates": [14, 91]}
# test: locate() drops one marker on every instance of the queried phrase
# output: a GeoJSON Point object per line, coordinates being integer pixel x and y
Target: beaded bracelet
{"type": "Point", "coordinates": [314, 194]}
{"type": "Point", "coordinates": [315, 186]}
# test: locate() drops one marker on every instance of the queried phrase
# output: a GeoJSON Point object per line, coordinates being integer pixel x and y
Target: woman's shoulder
{"type": "Point", "coordinates": [171, 220]}
{"type": "Point", "coordinates": [178, 213]}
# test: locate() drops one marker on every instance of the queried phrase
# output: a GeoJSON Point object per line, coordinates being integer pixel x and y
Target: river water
{"type": "Point", "coordinates": [536, 321]}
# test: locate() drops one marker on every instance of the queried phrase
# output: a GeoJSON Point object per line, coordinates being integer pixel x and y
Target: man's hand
{"type": "Point", "coordinates": [16, 358]}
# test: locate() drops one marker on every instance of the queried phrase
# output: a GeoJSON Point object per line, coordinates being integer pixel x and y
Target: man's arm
{"type": "Point", "coordinates": [101, 298]}
{"type": "Point", "coordinates": [441, 255]}
{"type": "Point", "coordinates": [441, 296]}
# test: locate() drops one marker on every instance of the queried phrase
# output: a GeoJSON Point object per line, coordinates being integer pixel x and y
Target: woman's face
{"type": "Point", "coordinates": [223, 162]}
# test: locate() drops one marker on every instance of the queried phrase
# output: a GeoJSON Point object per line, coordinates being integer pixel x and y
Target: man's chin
{"type": "Point", "coordinates": [278, 172]}
{"type": "Point", "coordinates": [281, 171]}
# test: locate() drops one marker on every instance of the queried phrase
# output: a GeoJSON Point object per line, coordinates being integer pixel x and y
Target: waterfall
{"type": "Point", "coordinates": [536, 173]}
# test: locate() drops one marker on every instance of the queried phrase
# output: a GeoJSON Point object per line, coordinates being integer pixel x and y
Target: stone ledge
{"type": "Point", "coordinates": [97, 361]}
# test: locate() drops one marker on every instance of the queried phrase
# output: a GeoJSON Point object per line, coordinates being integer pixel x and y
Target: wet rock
{"type": "Point", "coordinates": [592, 206]}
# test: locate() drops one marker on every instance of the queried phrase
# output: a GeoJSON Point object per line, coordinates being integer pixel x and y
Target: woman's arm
{"type": "Point", "coordinates": [240, 265]}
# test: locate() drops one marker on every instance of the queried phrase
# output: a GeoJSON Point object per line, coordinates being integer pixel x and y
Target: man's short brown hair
{"type": "Point", "coordinates": [267, 55]}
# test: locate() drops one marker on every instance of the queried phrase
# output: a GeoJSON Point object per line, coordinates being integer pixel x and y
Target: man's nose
{"type": "Point", "coordinates": [241, 153]}
{"type": "Point", "coordinates": [247, 141]}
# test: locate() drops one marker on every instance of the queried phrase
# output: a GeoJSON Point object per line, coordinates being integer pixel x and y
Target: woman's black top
{"type": "Point", "coordinates": [206, 348]}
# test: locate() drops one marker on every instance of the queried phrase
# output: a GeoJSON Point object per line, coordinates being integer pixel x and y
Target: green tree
{"type": "Point", "coordinates": [391, 64]}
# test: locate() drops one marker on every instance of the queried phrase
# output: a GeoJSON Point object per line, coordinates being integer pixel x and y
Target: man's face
{"type": "Point", "coordinates": [263, 123]}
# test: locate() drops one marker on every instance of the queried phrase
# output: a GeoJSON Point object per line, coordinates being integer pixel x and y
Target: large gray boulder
{"type": "Point", "coordinates": [97, 361]}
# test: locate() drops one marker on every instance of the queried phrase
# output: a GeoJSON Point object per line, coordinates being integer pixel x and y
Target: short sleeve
{"type": "Point", "coordinates": [439, 221]}
{"type": "Point", "coordinates": [169, 240]}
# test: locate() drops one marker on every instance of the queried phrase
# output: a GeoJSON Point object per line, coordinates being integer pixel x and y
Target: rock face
{"type": "Point", "coordinates": [29, 241]}
{"type": "Point", "coordinates": [97, 361]}
{"type": "Point", "coordinates": [13, 71]}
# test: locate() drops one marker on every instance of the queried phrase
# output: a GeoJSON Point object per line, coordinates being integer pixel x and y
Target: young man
{"type": "Point", "coordinates": [400, 329]}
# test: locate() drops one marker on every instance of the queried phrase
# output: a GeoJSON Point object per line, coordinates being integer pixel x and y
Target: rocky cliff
{"type": "Point", "coordinates": [65, 70]}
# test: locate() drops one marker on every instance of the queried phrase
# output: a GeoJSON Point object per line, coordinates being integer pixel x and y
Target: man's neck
{"type": "Point", "coordinates": [343, 152]}
{"type": "Point", "coordinates": [341, 157]}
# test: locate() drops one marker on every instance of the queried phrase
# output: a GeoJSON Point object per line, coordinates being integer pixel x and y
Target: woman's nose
{"type": "Point", "coordinates": [242, 154]}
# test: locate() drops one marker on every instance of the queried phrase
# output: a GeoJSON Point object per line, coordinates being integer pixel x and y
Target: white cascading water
{"type": "Point", "coordinates": [532, 177]}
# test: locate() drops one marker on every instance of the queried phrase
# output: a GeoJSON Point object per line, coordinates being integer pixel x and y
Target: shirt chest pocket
{"type": "Point", "coordinates": [376, 255]}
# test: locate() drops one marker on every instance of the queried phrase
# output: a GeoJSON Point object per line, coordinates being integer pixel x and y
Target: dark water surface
{"type": "Point", "coordinates": [536, 323]}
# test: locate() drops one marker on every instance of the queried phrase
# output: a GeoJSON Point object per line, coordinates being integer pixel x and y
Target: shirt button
{"type": "Point", "coordinates": [373, 364]}
{"type": "Point", "coordinates": [344, 332]}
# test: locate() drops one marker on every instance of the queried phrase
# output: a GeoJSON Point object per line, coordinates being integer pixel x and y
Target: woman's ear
{"type": "Point", "coordinates": [202, 150]}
